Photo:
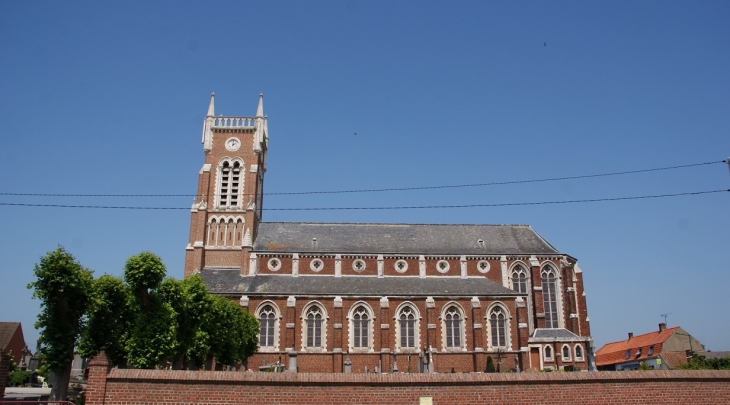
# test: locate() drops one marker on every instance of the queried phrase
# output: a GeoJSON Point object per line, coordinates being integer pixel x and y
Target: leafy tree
{"type": "Point", "coordinates": [144, 273]}
{"type": "Point", "coordinates": [153, 334]}
{"type": "Point", "coordinates": [109, 317]}
{"type": "Point", "coordinates": [699, 362]}
{"type": "Point", "coordinates": [232, 332]}
{"type": "Point", "coordinates": [62, 285]}
{"type": "Point", "coordinates": [192, 304]}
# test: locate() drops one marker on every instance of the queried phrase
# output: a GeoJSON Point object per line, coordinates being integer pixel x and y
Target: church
{"type": "Point", "coordinates": [378, 297]}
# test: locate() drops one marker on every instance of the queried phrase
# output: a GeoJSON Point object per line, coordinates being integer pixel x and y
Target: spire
{"type": "Point", "coordinates": [260, 109]}
{"type": "Point", "coordinates": [211, 107]}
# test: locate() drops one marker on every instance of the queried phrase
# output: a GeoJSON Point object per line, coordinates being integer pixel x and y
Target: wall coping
{"type": "Point", "coordinates": [244, 378]}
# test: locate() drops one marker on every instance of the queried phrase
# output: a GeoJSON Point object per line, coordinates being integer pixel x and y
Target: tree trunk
{"type": "Point", "coordinates": [59, 392]}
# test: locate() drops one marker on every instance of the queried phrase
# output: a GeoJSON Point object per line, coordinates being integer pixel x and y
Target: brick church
{"type": "Point", "coordinates": [367, 297]}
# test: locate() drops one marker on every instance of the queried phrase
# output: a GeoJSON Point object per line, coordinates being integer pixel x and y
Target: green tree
{"type": "Point", "coordinates": [144, 273]}
{"type": "Point", "coordinates": [192, 303]}
{"type": "Point", "coordinates": [62, 285]}
{"type": "Point", "coordinates": [699, 362]}
{"type": "Point", "coordinates": [232, 331]}
{"type": "Point", "coordinates": [108, 320]}
{"type": "Point", "coordinates": [153, 334]}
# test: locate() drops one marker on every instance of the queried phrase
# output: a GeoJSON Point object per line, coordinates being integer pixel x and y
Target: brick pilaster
{"type": "Point", "coordinates": [99, 368]}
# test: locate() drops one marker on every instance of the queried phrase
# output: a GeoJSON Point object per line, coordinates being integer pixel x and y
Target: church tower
{"type": "Point", "coordinates": [227, 209]}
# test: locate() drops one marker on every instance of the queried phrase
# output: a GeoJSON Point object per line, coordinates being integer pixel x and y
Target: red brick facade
{"type": "Point", "coordinates": [115, 386]}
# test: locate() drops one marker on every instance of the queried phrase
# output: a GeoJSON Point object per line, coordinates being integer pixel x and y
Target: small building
{"type": "Point", "coordinates": [663, 349]}
{"type": "Point", "coordinates": [11, 339]}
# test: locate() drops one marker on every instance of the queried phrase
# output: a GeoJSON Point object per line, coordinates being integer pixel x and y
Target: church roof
{"type": "Point", "coordinates": [227, 281]}
{"type": "Point", "coordinates": [426, 239]}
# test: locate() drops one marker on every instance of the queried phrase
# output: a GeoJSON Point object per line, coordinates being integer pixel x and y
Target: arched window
{"type": "Point", "coordinates": [407, 327]}
{"type": "Point", "coordinates": [566, 353]}
{"type": "Point", "coordinates": [268, 320]}
{"type": "Point", "coordinates": [314, 322]}
{"type": "Point", "coordinates": [453, 323]}
{"type": "Point", "coordinates": [497, 323]}
{"type": "Point", "coordinates": [407, 330]}
{"type": "Point", "coordinates": [519, 279]}
{"type": "Point", "coordinates": [360, 318]}
{"type": "Point", "coordinates": [224, 231]}
{"type": "Point", "coordinates": [578, 352]}
{"type": "Point", "coordinates": [229, 184]}
{"type": "Point", "coordinates": [549, 297]}
{"type": "Point", "coordinates": [548, 353]}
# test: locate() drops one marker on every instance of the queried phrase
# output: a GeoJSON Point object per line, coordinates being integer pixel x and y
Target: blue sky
{"type": "Point", "coordinates": [109, 98]}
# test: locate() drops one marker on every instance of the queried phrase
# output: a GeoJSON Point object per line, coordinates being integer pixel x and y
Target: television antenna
{"type": "Point", "coordinates": [665, 316]}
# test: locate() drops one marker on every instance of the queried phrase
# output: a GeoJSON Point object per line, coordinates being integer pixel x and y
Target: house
{"type": "Point", "coordinates": [11, 339]}
{"type": "Point", "coordinates": [359, 297]}
{"type": "Point", "coordinates": [664, 349]}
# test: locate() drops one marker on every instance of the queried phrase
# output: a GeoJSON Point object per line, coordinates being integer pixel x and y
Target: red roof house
{"type": "Point", "coordinates": [650, 348]}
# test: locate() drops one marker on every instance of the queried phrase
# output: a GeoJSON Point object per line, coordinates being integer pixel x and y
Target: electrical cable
{"type": "Point", "coordinates": [499, 183]}
{"type": "Point", "coordinates": [390, 208]}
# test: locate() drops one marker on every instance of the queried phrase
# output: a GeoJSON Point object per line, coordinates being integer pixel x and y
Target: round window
{"type": "Point", "coordinates": [358, 265]}
{"type": "Point", "coordinates": [442, 266]}
{"type": "Point", "coordinates": [316, 265]}
{"type": "Point", "coordinates": [401, 266]}
{"type": "Point", "coordinates": [483, 266]}
{"type": "Point", "coordinates": [274, 264]}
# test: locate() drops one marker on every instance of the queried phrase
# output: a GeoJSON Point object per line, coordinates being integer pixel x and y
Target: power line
{"type": "Point", "coordinates": [377, 190]}
{"type": "Point", "coordinates": [389, 208]}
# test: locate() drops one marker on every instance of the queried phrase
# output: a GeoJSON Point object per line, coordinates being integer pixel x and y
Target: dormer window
{"type": "Point", "coordinates": [651, 351]}
{"type": "Point", "coordinates": [628, 354]}
{"type": "Point", "coordinates": [638, 352]}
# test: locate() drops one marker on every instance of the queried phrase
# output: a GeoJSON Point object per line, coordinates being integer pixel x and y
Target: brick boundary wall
{"type": "Point", "coordinates": [129, 386]}
{"type": "Point", "coordinates": [4, 370]}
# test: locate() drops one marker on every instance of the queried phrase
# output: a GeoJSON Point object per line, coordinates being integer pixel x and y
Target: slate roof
{"type": "Point", "coordinates": [561, 334]}
{"type": "Point", "coordinates": [615, 352]}
{"type": "Point", "coordinates": [428, 239]}
{"type": "Point", "coordinates": [226, 281]}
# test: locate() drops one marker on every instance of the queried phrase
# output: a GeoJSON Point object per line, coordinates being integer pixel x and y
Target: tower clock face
{"type": "Point", "coordinates": [232, 144]}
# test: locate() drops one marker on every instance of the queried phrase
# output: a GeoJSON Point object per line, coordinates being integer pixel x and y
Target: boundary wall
{"type": "Point", "coordinates": [131, 386]}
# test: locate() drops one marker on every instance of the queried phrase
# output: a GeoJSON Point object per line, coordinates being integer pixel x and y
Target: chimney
{"type": "Point", "coordinates": [631, 334]}
{"type": "Point", "coordinates": [662, 326]}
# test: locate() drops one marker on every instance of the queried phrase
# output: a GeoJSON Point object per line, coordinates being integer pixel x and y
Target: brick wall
{"type": "Point", "coordinates": [117, 386]}
{"type": "Point", "coordinates": [4, 368]}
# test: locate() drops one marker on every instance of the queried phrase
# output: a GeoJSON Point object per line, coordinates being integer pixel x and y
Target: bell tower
{"type": "Point", "coordinates": [227, 208]}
